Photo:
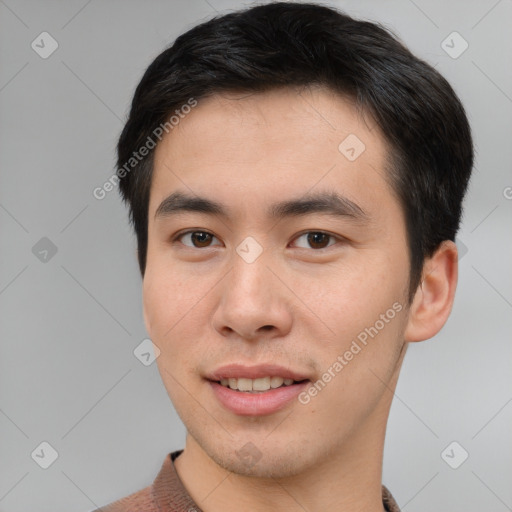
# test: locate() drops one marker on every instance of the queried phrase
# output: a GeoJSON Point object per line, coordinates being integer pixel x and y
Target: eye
{"type": "Point", "coordinates": [316, 240]}
{"type": "Point", "coordinates": [311, 239]}
{"type": "Point", "coordinates": [197, 239]}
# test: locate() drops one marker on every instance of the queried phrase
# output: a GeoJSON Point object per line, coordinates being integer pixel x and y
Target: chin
{"type": "Point", "coordinates": [255, 460]}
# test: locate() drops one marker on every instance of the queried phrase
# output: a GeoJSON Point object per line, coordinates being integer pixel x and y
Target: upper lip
{"type": "Point", "coordinates": [254, 372]}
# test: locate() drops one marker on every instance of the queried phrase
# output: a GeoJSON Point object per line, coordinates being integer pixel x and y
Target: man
{"type": "Point", "coordinates": [295, 180]}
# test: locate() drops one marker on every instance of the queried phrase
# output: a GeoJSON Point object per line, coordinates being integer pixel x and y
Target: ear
{"type": "Point", "coordinates": [434, 297]}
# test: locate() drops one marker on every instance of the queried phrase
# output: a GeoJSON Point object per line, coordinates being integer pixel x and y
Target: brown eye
{"type": "Point", "coordinates": [316, 240]}
{"type": "Point", "coordinates": [197, 239]}
{"type": "Point", "coordinates": [201, 239]}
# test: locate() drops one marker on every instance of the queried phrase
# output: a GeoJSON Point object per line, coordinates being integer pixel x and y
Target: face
{"type": "Point", "coordinates": [269, 272]}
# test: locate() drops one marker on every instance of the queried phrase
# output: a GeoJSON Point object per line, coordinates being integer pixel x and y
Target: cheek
{"type": "Point", "coordinates": [169, 296]}
{"type": "Point", "coordinates": [174, 307]}
{"type": "Point", "coordinates": [361, 358]}
{"type": "Point", "coordinates": [170, 306]}
{"type": "Point", "coordinates": [358, 292]}
{"type": "Point", "coordinates": [160, 298]}
{"type": "Point", "coordinates": [364, 308]}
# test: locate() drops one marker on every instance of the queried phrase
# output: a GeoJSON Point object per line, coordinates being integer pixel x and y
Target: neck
{"type": "Point", "coordinates": [349, 479]}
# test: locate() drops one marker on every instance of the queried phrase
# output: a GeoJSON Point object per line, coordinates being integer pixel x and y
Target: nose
{"type": "Point", "coordinates": [253, 303]}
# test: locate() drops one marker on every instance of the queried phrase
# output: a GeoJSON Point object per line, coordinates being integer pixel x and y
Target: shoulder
{"type": "Point", "coordinates": [140, 500]}
{"type": "Point", "coordinates": [164, 490]}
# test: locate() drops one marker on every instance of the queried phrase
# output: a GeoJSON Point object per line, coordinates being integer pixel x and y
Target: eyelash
{"type": "Point", "coordinates": [182, 234]}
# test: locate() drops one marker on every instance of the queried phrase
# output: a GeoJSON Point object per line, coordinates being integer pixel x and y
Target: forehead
{"type": "Point", "coordinates": [246, 148]}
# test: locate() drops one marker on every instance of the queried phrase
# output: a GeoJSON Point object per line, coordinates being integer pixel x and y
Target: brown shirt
{"type": "Point", "coordinates": [167, 494]}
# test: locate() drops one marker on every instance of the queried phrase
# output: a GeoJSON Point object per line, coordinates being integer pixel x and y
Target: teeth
{"type": "Point", "coordinates": [275, 382]}
{"type": "Point", "coordinates": [244, 385]}
{"type": "Point", "coordinates": [261, 384]}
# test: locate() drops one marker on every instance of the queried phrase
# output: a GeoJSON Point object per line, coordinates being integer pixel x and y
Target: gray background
{"type": "Point", "coordinates": [69, 325]}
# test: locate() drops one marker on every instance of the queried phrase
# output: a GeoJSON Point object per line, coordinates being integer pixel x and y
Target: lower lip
{"type": "Point", "coordinates": [257, 404]}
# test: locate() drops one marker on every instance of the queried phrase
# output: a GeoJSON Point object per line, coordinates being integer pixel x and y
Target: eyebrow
{"type": "Point", "coordinates": [330, 203]}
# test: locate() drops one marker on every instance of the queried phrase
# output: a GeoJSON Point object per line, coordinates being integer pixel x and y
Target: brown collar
{"type": "Point", "coordinates": [170, 494]}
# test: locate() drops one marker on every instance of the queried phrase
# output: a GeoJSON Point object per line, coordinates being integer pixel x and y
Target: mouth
{"type": "Point", "coordinates": [259, 385]}
{"type": "Point", "coordinates": [256, 397]}
{"type": "Point", "coordinates": [248, 390]}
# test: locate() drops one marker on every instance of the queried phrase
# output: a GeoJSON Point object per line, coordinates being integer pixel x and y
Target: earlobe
{"type": "Point", "coordinates": [434, 297]}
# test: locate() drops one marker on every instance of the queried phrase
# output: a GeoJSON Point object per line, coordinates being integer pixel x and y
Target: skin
{"type": "Point", "coordinates": [299, 305]}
